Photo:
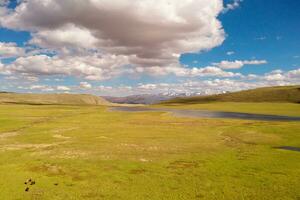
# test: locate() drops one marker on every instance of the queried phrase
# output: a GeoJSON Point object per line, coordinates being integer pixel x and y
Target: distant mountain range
{"type": "Point", "coordinates": [148, 98]}
{"type": "Point", "coordinates": [267, 94]}
{"type": "Point", "coordinates": [289, 94]}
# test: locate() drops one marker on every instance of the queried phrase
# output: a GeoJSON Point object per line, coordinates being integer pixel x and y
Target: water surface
{"type": "Point", "coordinates": [208, 114]}
{"type": "Point", "coordinates": [289, 148]}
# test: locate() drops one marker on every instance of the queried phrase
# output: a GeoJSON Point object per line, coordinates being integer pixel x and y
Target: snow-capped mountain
{"type": "Point", "coordinates": [149, 98]}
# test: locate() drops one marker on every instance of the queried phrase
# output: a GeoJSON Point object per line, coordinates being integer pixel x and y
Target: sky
{"type": "Point", "coordinates": [126, 47]}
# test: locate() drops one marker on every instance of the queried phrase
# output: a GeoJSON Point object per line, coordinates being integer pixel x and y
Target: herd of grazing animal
{"type": "Point", "coordinates": [29, 182]}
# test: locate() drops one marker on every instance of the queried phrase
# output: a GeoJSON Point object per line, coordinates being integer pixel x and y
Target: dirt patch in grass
{"type": "Point", "coordinates": [8, 134]}
{"type": "Point", "coordinates": [249, 138]}
{"type": "Point", "coordinates": [181, 164]}
{"type": "Point", "coordinates": [64, 130]}
{"type": "Point", "coordinates": [137, 171]}
{"type": "Point", "coordinates": [140, 147]}
{"type": "Point", "coordinates": [49, 169]}
{"type": "Point", "coordinates": [72, 154]}
{"type": "Point", "coordinates": [60, 136]}
{"type": "Point", "coordinates": [12, 147]}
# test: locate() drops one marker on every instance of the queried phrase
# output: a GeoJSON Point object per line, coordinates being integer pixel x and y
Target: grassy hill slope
{"type": "Point", "coordinates": [47, 99]}
{"type": "Point", "coordinates": [289, 94]}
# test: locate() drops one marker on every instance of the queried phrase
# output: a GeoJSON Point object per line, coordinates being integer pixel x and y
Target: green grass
{"type": "Point", "coordinates": [86, 152]}
{"type": "Point", "coordinates": [290, 94]}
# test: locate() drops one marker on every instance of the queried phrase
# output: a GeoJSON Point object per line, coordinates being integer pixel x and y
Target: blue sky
{"type": "Point", "coordinates": [232, 45]}
{"type": "Point", "coordinates": [258, 29]}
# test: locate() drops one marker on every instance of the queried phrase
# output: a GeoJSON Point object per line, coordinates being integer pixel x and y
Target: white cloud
{"type": "Point", "coordinates": [209, 71]}
{"type": "Point", "coordinates": [31, 78]}
{"type": "Point", "coordinates": [66, 36]}
{"type": "Point", "coordinates": [191, 85]}
{"type": "Point", "coordinates": [279, 77]}
{"type": "Point", "coordinates": [46, 88]}
{"type": "Point", "coordinates": [238, 63]}
{"type": "Point", "coordinates": [274, 77]}
{"type": "Point", "coordinates": [277, 71]}
{"type": "Point", "coordinates": [63, 88]}
{"type": "Point", "coordinates": [21, 78]}
{"type": "Point", "coordinates": [43, 88]}
{"type": "Point", "coordinates": [91, 67]}
{"type": "Point", "coordinates": [211, 86]}
{"type": "Point", "coordinates": [294, 74]}
{"type": "Point", "coordinates": [156, 39]}
{"type": "Point", "coordinates": [85, 85]}
{"type": "Point", "coordinates": [3, 8]}
{"type": "Point", "coordinates": [261, 38]}
{"type": "Point", "coordinates": [10, 50]}
{"type": "Point", "coordinates": [3, 2]}
{"type": "Point", "coordinates": [96, 67]}
{"type": "Point", "coordinates": [148, 86]}
{"type": "Point", "coordinates": [229, 53]}
{"type": "Point", "coordinates": [1, 67]}
{"type": "Point", "coordinates": [231, 6]}
{"type": "Point", "coordinates": [213, 72]}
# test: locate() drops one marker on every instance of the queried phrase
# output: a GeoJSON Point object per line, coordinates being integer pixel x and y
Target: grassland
{"type": "Point", "coordinates": [86, 152]}
{"type": "Point", "coordinates": [271, 100]}
{"type": "Point", "coordinates": [51, 99]}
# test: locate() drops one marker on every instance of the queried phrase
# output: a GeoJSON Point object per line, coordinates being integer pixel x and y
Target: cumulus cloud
{"type": "Point", "coordinates": [46, 88]}
{"type": "Point", "coordinates": [91, 67]}
{"type": "Point", "coordinates": [274, 77]}
{"type": "Point", "coordinates": [63, 88]}
{"type": "Point", "coordinates": [10, 50]}
{"type": "Point", "coordinates": [231, 6]}
{"type": "Point", "coordinates": [279, 77]}
{"type": "Point", "coordinates": [68, 36]}
{"type": "Point", "coordinates": [212, 86]}
{"type": "Point", "coordinates": [238, 63]}
{"type": "Point", "coordinates": [229, 53]}
{"type": "Point", "coordinates": [148, 86]}
{"type": "Point", "coordinates": [1, 67]}
{"type": "Point", "coordinates": [188, 86]}
{"type": "Point", "coordinates": [156, 39]}
{"type": "Point", "coordinates": [85, 85]}
{"type": "Point", "coordinates": [208, 71]}
{"type": "Point", "coordinates": [261, 38]}
{"type": "Point", "coordinates": [294, 74]}
{"type": "Point", "coordinates": [103, 67]}
{"type": "Point", "coordinates": [111, 41]}
{"type": "Point", "coordinates": [4, 70]}
{"type": "Point", "coordinates": [43, 88]}
{"type": "Point", "coordinates": [212, 71]}
{"type": "Point", "coordinates": [3, 2]}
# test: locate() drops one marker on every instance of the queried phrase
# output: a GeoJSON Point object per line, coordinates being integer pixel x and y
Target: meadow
{"type": "Point", "coordinates": [88, 152]}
